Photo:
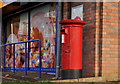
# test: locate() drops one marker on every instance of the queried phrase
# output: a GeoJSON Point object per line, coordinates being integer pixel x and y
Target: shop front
{"type": "Point", "coordinates": [36, 23]}
{"type": "Point", "coordinates": [82, 52]}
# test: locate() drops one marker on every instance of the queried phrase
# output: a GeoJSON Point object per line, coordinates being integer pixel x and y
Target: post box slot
{"type": "Point", "coordinates": [62, 30]}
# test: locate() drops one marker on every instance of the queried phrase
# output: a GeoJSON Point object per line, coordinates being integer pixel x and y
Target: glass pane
{"type": "Point", "coordinates": [17, 30]}
{"type": "Point", "coordinates": [43, 26]}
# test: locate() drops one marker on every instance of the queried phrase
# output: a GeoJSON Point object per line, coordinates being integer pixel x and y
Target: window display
{"type": "Point", "coordinates": [17, 31]}
{"type": "Point", "coordinates": [42, 26]}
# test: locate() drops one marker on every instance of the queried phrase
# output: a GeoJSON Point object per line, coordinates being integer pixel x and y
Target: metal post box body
{"type": "Point", "coordinates": [72, 48]}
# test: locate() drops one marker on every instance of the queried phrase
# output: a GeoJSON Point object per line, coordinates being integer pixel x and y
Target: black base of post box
{"type": "Point", "coordinates": [71, 73]}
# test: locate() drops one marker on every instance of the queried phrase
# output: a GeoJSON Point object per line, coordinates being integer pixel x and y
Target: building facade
{"type": "Point", "coordinates": [22, 22]}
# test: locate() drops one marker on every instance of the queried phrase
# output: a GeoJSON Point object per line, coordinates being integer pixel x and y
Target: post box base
{"type": "Point", "coordinates": [71, 73]}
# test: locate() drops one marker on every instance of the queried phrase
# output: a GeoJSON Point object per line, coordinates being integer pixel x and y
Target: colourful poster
{"type": "Point", "coordinates": [2, 4]}
{"type": "Point", "coordinates": [5, 2]}
{"type": "Point", "coordinates": [17, 30]}
{"type": "Point", "coordinates": [43, 26]}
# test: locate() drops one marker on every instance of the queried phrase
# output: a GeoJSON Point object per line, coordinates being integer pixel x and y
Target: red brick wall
{"type": "Point", "coordinates": [98, 40]}
{"type": "Point", "coordinates": [89, 39]}
{"type": "Point", "coordinates": [119, 39]}
{"type": "Point", "coordinates": [66, 10]}
{"type": "Point", "coordinates": [110, 41]}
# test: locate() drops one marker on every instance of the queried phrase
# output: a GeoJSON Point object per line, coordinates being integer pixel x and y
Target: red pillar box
{"type": "Point", "coordinates": [71, 39]}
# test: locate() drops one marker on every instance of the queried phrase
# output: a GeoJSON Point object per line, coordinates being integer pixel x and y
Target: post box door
{"type": "Point", "coordinates": [66, 50]}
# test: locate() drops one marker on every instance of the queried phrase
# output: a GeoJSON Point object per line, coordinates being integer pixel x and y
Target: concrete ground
{"type": "Point", "coordinates": [31, 76]}
{"type": "Point", "coordinates": [19, 76]}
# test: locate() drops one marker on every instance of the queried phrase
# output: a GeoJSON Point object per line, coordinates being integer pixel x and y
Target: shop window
{"type": "Point", "coordinates": [17, 30]}
{"type": "Point", "coordinates": [43, 26]}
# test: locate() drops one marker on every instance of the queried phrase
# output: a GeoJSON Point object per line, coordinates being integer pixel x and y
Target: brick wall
{"type": "Point", "coordinates": [89, 39]}
{"type": "Point", "coordinates": [110, 41]}
{"type": "Point", "coordinates": [66, 10]}
{"type": "Point", "coordinates": [119, 40]}
{"type": "Point", "coordinates": [98, 39]}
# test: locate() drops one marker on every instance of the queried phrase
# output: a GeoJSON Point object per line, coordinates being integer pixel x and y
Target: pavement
{"type": "Point", "coordinates": [31, 76]}
{"type": "Point", "coordinates": [19, 76]}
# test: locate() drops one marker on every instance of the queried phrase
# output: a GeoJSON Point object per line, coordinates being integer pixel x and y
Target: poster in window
{"type": "Point", "coordinates": [77, 11]}
{"type": "Point", "coordinates": [17, 30]}
{"type": "Point", "coordinates": [43, 26]}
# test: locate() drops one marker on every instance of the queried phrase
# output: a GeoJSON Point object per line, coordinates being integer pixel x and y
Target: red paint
{"type": "Point", "coordinates": [72, 48]}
